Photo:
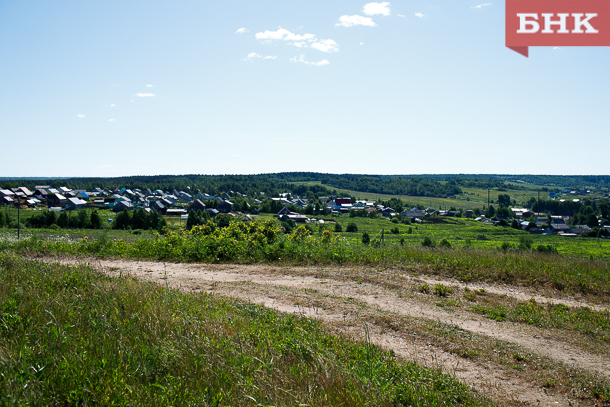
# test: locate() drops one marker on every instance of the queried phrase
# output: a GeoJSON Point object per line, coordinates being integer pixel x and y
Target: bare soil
{"type": "Point", "coordinates": [397, 318]}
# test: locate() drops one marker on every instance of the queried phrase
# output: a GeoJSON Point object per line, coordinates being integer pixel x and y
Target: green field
{"type": "Point", "coordinates": [471, 198]}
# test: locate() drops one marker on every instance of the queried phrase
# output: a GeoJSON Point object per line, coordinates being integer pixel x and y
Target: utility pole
{"type": "Point", "coordinates": [18, 217]}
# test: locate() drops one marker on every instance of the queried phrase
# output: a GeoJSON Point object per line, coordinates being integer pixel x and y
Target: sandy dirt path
{"type": "Point", "coordinates": [288, 289]}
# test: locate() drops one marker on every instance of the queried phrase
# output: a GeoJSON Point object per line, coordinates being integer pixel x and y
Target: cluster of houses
{"type": "Point", "coordinates": [119, 199]}
{"type": "Point", "coordinates": [178, 203]}
{"type": "Point", "coordinates": [570, 192]}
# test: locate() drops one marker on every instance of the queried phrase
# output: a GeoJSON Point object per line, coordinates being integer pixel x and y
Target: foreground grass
{"type": "Point", "coordinates": [70, 336]}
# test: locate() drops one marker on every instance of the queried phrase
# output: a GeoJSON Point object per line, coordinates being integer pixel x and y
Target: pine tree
{"type": "Point", "coordinates": [62, 221]}
{"type": "Point", "coordinates": [123, 220]}
{"type": "Point", "coordinates": [96, 221]}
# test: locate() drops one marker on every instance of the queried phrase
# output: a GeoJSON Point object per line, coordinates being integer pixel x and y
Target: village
{"type": "Point", "coordinates": [297, 209]}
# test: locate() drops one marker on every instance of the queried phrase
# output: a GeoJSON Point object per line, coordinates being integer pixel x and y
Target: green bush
{"type": "Point", "coordinates": [525, 242]}
{"type": "Point", "coordinates": [445, 243]}
{"type": "Point", "coordinates": [541, 248]}
{"type": "Point", "coordinates": [427, 242]}
{"type": "Point", "coordinates": [338, 228]}
{"type": "Point", "coordinates": [366, 239]}
{"type": "Point", "coordinates": [352, 227]}
{"type": "Point", "coordinates": [505, 246]}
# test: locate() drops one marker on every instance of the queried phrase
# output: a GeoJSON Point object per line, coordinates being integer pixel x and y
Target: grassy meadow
{"type": "Point", "coordinates": [71, 336]}
{"type": "Point", "coordinates": [471, 198]}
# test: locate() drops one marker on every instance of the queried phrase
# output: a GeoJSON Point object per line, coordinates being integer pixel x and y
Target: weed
{"type": "Point", "coordinates": [441, 290]}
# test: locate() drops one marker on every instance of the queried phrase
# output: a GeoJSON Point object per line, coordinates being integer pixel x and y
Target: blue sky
{"type": "Point", "coordinates": [402, 87]}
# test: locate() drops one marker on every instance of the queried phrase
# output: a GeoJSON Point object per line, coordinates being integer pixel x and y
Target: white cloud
{"type": "Point", "coordinates": [400, 15]}
{"type": "Point", "coordinates": [110, 120]}
{"type": "Point", "coordinates": [301, 59]}
{"type": "Point", "coordinates": [150, 86]}
{"type": "Point", "coordinates": [350, 21]}
{"type": "Point", "coordinates": [362, 43]}
{"type": "Point", "coordinates": [112, 105]}
{"type": "Point", "coordinates": [80, 116]}
{"type": "Point", "coordinates": [284, 34]}
{"type": "Point", "coordinates": [254, 55]}
{"type": "Point", "coordinates": [325, 46]}
{"type": "Point", "coordinates": [420, 15]}
{"type": "Point", "coordinates": [371, 9]}
{"type": "Point", "coordinates": [242, 30]}
{"type": "Point", "coordinates": [300, 41]}
{"type": "Point", "coordinates": [480, 6]}
{"type": "Point", "coordinates": [145, 95]}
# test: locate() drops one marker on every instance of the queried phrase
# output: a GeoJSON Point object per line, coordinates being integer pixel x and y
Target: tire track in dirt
{"type": "Point", "coordinates": [486, 377]}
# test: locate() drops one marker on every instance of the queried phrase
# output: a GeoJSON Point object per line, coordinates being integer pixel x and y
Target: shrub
{"type": "Point", "coordinates": [541, 248]}
{"type": "Point", "coordinates": [366, 239]}
{"type": "Point", "coordinates": [338, 228]}
{"type": "Point", "coordinates": [427, 242]}
{"type": "Point", "coordinates": [445, 243]}
{"type": "Point", "coordinates": [505, 246]}
{"type": "Point", "coordinates": [352, 227]}
{"type": "Point", "coordinates": [424, 289]}
{"type": "Point", "coordinates": [287, 227]}
{"type": "Point", "coordinates": [402, 241]}
{"type": "Point", "coordinates": [395, 230]}
{"type": "Point", "coordinates": [441, 290]}
{"type": "Point", "coordinates": [525, 242]}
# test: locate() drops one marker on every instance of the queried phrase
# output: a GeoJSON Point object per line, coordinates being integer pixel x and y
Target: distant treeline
{"type": "Point", "coordinates": [303, 183]}
{"type": "Point", "coordinates": [270, 184]}
{"type": "Point", "coordinates": [556, 181]}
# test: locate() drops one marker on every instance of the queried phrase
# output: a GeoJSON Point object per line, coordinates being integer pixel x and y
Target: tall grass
{"type": "Point", "coordinates": [70, 336]}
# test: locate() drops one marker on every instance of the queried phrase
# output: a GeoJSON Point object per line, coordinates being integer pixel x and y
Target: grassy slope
{"type": "Point", "coordinates": [70, 336]}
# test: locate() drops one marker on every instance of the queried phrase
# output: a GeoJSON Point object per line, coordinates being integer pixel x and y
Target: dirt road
{"type": "Point", "coordinates": [514, 364]}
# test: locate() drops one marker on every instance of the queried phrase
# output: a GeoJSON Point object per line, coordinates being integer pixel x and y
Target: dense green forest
{"type": "Point", "coordinates": [302, 183]}
{"type": "Point", "coordinates": [558, 181]}
{"type": "Point", "coordinates": [296, 183]}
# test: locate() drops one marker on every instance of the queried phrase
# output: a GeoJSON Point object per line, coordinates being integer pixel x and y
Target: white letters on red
{"type": "Point", "coordinates": [578, 23]}
{"type": "Point", "coordinates": [528, 23]}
